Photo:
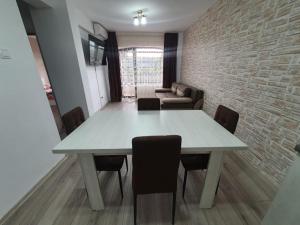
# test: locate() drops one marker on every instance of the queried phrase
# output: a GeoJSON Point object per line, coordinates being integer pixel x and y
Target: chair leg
{"type": "Point", "coordinates": [126, 161]}
{"type": "Point", "coordinates": [120, 181]}
{"type": "Point", "coordinates": [184, 183]}
{"type": "Point", "coordinates": [134, 207]}
{"type": "Point", "coordinates": [174, 207]}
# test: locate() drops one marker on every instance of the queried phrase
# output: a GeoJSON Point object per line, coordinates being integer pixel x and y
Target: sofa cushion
{"type": "Point", "coordinates": [183, 91]}
{"type": "Point", "coordinates": [166, 95]}
{"type": "Point", "coordinates": [174, 87]}
{"type": "Point", "coordinates": [179, 93]}
{"type": "Point", "coordinates": [177, 100]}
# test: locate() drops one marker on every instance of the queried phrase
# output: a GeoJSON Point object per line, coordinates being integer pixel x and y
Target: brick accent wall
{"type": "Point", "coordinates": [246, 55]}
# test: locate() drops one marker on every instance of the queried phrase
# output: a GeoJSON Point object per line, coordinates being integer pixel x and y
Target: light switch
{"type": "Point", "coordinates": [4, 54]}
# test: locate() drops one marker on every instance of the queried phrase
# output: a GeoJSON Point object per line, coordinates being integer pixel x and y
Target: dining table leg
{"type": "Point", "coordinates": [211, 179]}
{"type": "Point", "coordinates": [91, 181]}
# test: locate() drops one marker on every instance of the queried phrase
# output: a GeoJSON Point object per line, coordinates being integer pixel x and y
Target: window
{"type": "Point", "coordinates": [141, 71]}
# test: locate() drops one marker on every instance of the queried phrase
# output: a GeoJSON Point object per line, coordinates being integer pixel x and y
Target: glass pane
{"type": "Point", "coordinates": [149, 63]}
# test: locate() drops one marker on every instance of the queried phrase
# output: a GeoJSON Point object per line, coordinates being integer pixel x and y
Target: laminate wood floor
{"type": "Point", "coordinates": [243, 198]}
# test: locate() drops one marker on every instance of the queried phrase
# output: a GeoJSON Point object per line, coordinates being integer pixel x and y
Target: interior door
{"type": "Point", "coordinates": [93, 88]}
{"type": "Point", "coordinates": [101, 80]}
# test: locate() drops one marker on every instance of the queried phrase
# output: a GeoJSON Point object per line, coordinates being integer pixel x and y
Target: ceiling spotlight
{"type": "Point", "coordinates": [144, 20]}
{"type": "Point", "coordinates": [140, 18]}
{"type": "Point", "coordinates": [136, 21]}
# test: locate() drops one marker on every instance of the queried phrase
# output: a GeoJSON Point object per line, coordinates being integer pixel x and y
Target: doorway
{"type": "Point", "coordinates": [141, 71]}
{"type": "Point", "coordinates": [46, 83]}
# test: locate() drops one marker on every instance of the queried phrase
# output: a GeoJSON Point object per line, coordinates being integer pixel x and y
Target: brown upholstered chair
{"type": "Point", "coordinates": [225, 117]}
{"type": "Point", "coordinates": [148, 104]}
{"type": "Point", "coordinates": [74, 119]}
{"type": "Point", "coordinates": [111, 163]}
{"type": "Point", "coordinates": [155, 162]}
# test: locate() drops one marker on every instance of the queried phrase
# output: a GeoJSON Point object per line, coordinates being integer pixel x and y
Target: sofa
{"type": "Point", "coordinates": [180, 96]}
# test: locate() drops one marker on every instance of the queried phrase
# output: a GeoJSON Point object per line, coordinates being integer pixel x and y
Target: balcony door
{"type": "Point", "coordinates": [141, 71]}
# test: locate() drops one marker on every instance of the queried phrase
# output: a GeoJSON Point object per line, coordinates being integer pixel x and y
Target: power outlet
{"type": "Point", "coordinates": [4, 54]}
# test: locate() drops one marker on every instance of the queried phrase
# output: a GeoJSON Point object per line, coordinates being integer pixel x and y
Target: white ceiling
{"type": "Point", "coordinates": [162, 15]}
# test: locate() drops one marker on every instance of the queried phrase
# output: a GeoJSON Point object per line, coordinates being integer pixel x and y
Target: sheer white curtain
{"type": "Point", "coordinates": [128, 77]}
{"type": "Point", "coordinates": [141, 71]}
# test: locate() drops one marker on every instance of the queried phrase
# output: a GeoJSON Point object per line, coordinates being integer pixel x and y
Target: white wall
{"type": "Point", "coordinates": [285, 206]}
{"type": "Point", "coordinates": [79, 19]}
{"type": "Point", "coordinates": [90, 76]}
{"type": "Point", "coordinates": [40, 3]}
{"type": "Point", "coordinates": [27, 127]}
{"type": "Point", "coordinates": [135, 39]}
{"type": "Point", "coordinates": [58, 47]}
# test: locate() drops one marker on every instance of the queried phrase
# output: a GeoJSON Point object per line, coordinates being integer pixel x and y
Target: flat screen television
{"type": "Point", "coordinates": [93, 50]}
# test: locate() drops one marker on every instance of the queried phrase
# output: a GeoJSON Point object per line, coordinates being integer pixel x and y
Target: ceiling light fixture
{"type": "Point", "coordinates": [140, 18]}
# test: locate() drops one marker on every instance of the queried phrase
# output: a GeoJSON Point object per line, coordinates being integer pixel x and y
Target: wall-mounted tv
{"type": "Point", "coordinates": [93, 50]}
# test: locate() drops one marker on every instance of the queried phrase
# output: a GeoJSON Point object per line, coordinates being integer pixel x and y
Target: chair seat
{"type": "Point", "coordinates": [109, 163]}
{"type": "Point", "coordinates": [195, 162]}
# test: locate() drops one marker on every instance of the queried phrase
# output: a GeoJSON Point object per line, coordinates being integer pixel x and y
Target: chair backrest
{"type": "Point", "coordinates": [227, 118]}
{"type": "Point", "coordinates": [148, 104]}
{"type": "Point", "coordinates": [155, 162]}
{"type": "Point", "coordinates": [73, 119]}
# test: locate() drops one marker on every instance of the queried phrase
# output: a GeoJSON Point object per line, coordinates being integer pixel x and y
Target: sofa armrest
{"type": "Point", "coordinates": [162, 90]}
{"type": "Point", "coordinates": [199, 104]}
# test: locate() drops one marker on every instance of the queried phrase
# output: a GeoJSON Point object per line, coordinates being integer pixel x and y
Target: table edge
{"type": "Point", "coordinates": [188, 150]}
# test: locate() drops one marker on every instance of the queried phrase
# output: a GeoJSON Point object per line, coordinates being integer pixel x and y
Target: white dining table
{"type": "Point", "coordinates": [111, 133]}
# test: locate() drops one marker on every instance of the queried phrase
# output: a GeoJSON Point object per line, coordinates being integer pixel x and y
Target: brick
{"type": "Point", "coordinates": [284, 11]}
{"type": "Point", "coordinates": [246, 55]}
